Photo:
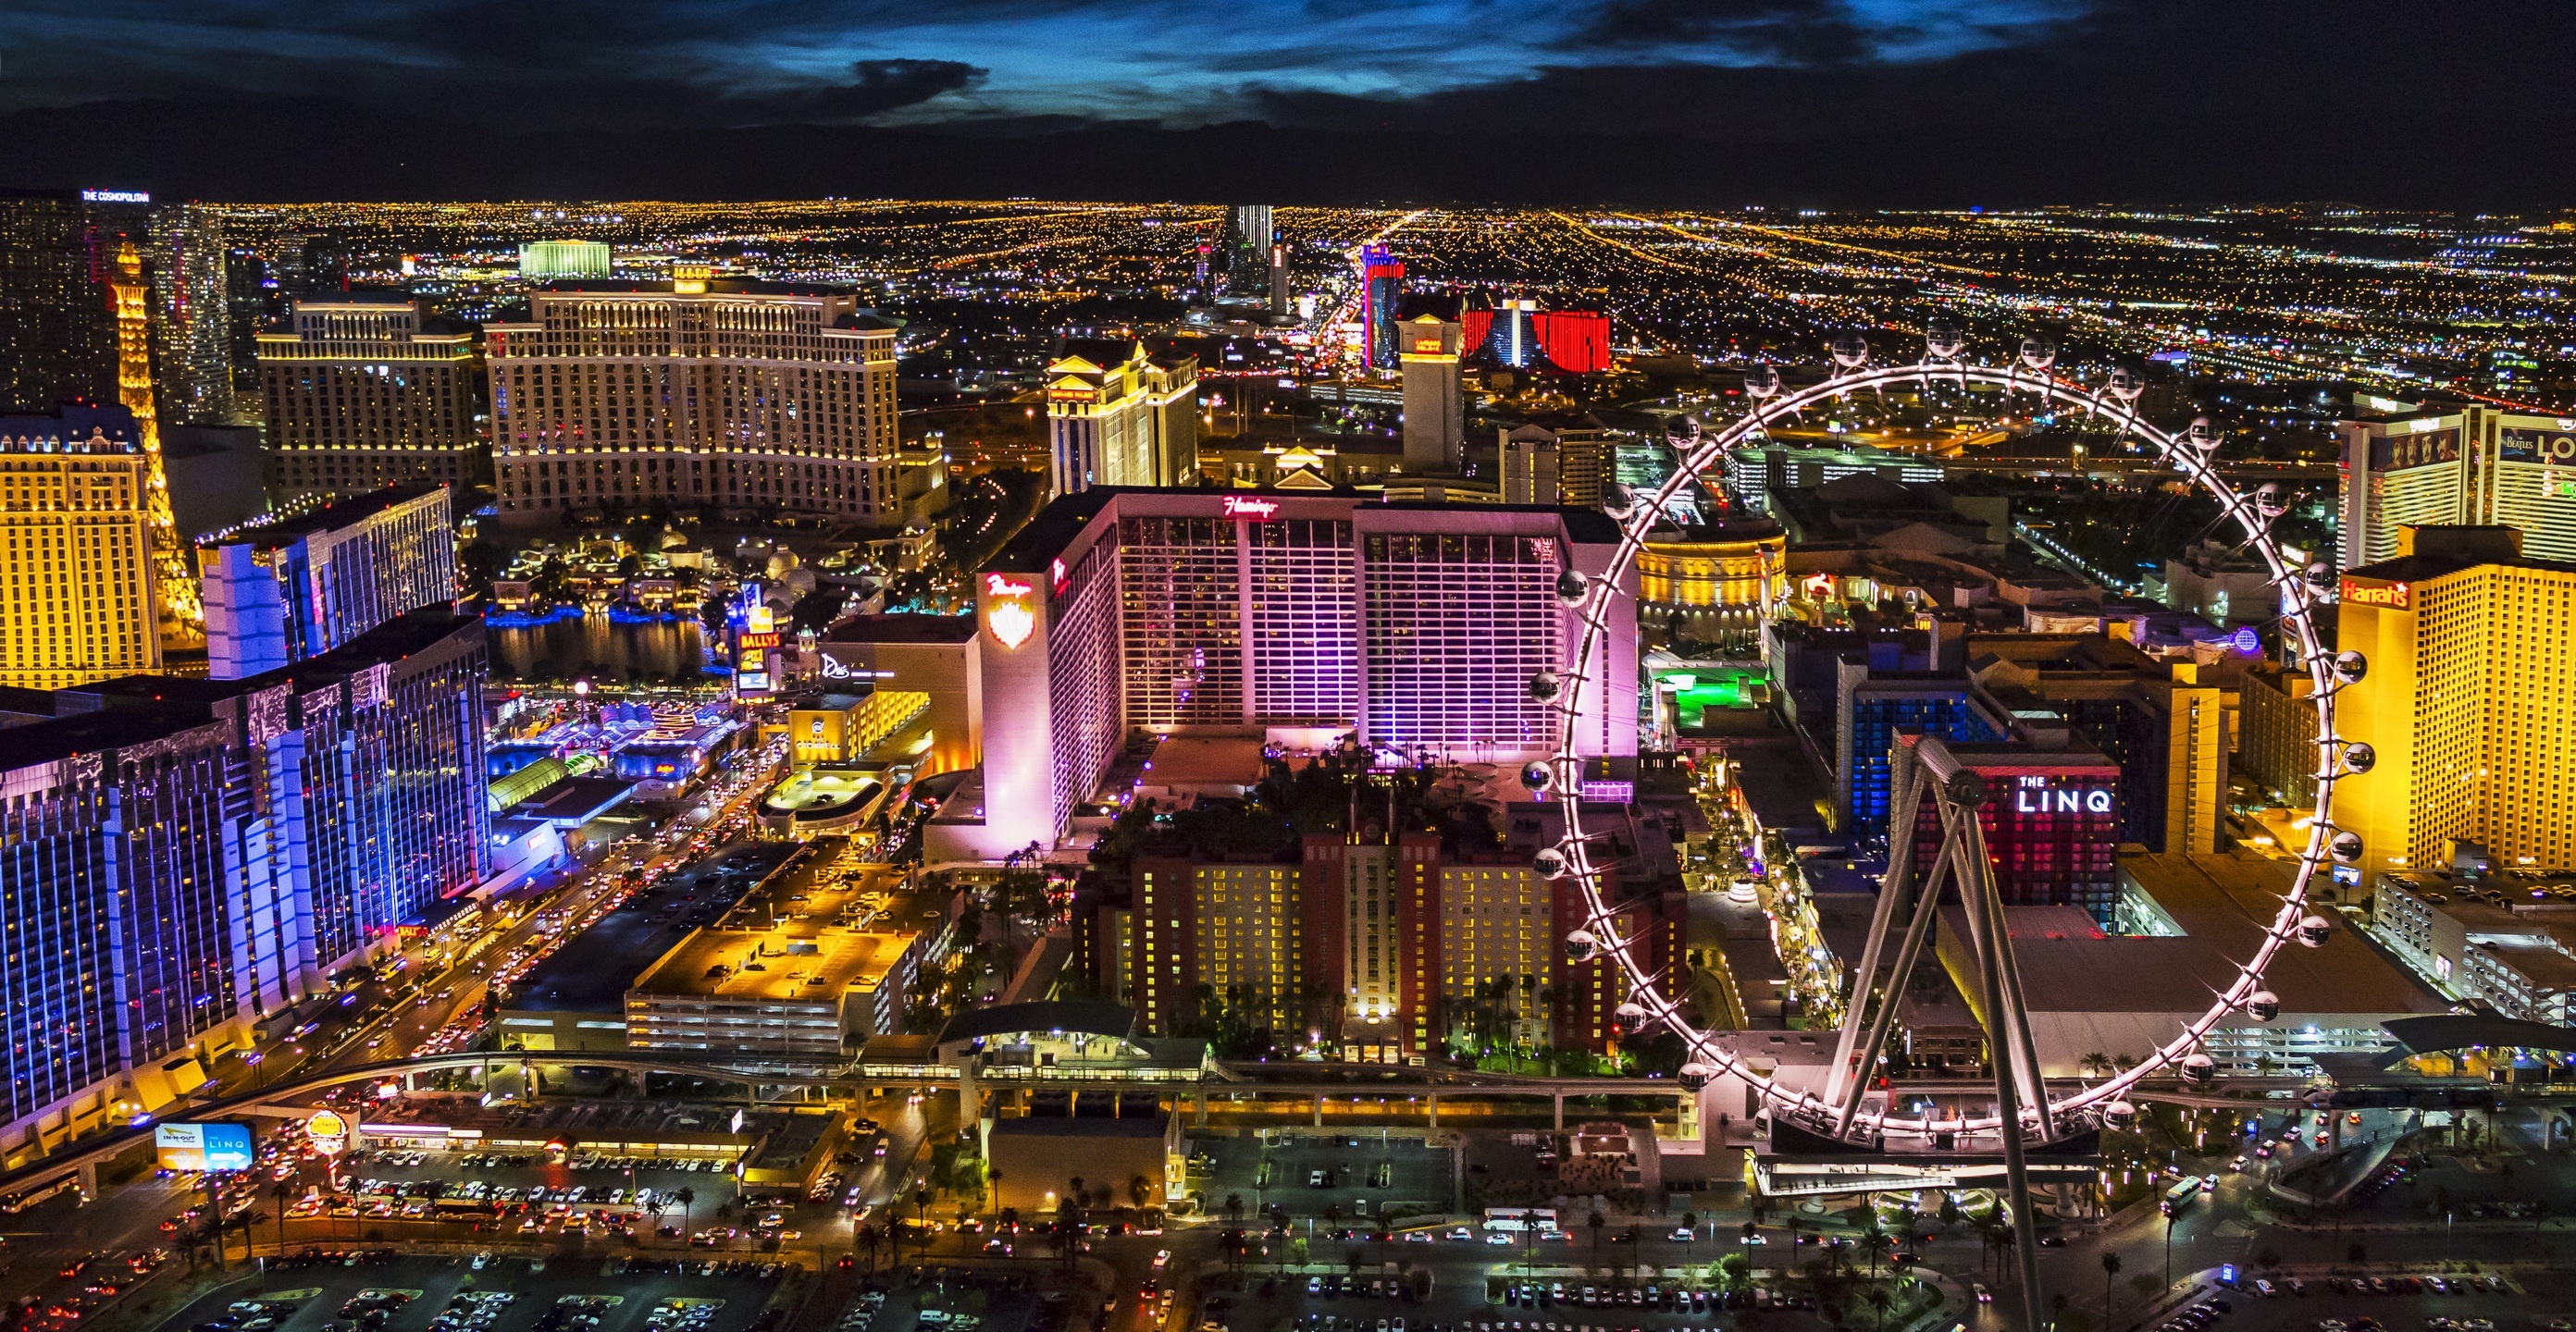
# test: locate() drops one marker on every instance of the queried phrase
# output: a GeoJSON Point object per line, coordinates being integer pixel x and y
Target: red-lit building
{"type": "Point", "coordinates": [1577, 341]}
{"type": "Point", "coordinates": [2051, 822]}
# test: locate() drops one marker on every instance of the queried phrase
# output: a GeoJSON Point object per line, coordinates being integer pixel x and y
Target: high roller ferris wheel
{"type": "Point", "coordinates": [2025, 1109]}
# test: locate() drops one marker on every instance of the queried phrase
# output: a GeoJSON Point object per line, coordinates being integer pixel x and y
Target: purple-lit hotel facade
{"type": "Point", "coordinates": [1298, 617]}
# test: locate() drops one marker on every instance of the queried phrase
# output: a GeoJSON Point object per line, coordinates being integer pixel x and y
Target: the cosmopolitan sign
{"type": "Point", "coordinates": [1251, 508]}
{"type": "Point", "coordinates": [2039, 795]}
{"type": "Point", "coordinates": [115, 196]}
{"type": "Point", "coordinates": [2373, 592]}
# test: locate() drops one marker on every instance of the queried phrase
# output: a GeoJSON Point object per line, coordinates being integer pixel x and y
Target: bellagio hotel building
{"type": "Point", "coordinates": [754, 397]}
{"type": "Point", "coordinates": [365, 391]}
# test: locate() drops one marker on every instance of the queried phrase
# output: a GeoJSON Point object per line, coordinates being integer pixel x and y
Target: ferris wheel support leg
{"type": "Point", "coordinates": [2016, 1012]}
{"type": "Point", "coordinates": [1927, 906]}
{"type": "Point", "coordinates": [1985, 921]}
{"type": "Point", "coordinates": [1891, 894]}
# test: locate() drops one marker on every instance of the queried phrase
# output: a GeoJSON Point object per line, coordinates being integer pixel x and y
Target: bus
{"type": "Point", "coordinates": [2180, 1195]}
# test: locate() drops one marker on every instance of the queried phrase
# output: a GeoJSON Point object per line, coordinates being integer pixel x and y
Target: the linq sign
{"type": "Point", "coordinates": [2037, 795]}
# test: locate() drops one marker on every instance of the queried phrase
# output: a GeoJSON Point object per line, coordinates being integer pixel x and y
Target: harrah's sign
{"type": "Point", "coordinates": [1251, 507]}
{"type": "Point", "coordinates": [2372, 592]}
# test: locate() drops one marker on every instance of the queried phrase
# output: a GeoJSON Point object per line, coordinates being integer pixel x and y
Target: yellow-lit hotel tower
{"type": "Point", "coordinates": [76, 553]}
{"type": "Point", "coordinates": [2468, 701]}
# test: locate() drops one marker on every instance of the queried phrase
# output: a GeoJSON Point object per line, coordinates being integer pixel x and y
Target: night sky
{"type": "Point", "coordinates": [1892, 102]}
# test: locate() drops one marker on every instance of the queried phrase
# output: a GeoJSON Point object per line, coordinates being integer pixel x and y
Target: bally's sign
{"type": "Point", "coordinates": [2039, 795]}
{"type": "Point", "coordinates": [2378, 592]}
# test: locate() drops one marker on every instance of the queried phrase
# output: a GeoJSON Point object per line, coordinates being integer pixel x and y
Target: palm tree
{"type": "Point", "coordinates": [280, 1192]}
{"type": "Point", "coordinates": [686, 1197]}
{"type": "Point", "coordinates": [2110, 1269]}
{"type": "Point", "coordinates": [1234, 1208]}
{"type": "Point", "coordinates": [1879, 1298]}
{"type": "Point", "coordinates": [1140, 1190]}
{"type": "Point", "coordinates": [1597, 1222]}
{"type": "Point", "coordinates": [1876, 1241]}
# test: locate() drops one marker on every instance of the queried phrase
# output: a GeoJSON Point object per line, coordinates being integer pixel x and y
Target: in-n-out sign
{"type": "Point", "coordinates": [2035, 795]}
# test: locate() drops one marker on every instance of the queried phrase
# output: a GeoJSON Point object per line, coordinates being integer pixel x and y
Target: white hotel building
{"type": "Point", "coordinates": [1298, 618]}
{"type": "Point", "coordinates": [2471, 464]}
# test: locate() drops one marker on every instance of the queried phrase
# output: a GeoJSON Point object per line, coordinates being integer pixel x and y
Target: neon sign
{"type": "Point", "coordinates": [1009, 618]}
{"type": "Point", "coordinates": [1060, 579]}
{"type": "Point", "coordinates": [2370, 592]}
{"type": "Point", "coordinates": [1251, 507]}
{"type": "Point", "coordinates": [2036, 795]}
{"type": "Point", "coordinates": [115, 196]}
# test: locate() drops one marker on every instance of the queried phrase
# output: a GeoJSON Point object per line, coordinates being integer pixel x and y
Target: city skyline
{"type": "Point", "coordinates": [1897, 603]}
{"type": "Point", "coordinates": [1837, 102]}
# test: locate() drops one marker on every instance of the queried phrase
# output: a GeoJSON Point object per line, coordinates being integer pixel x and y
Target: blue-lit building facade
{"type": "Point", "coordinates": [289, 590]}
{"type": "Point", "coordinates": [184, 862]}
{"type": "Point", "coordinates": [1871, 708]}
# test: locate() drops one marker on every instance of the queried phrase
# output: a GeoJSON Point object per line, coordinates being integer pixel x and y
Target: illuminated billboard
{"type": "Point", "coordinates": [202, 1146]}
{"type": "Point", "coordinates": [2540, 446]}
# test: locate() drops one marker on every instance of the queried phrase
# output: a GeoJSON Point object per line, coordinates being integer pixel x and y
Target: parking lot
{"type": "Point", "coordinates": [2515, 1301]}
{"type": "Point", "coordinates": [1306, 1173]}
{"type": "Point", "coordinates": [1456, 1302]}
{"type": "Point", "coordinates": [452, 1295]}
{"type": "Point", "coordinates": [960, 1299]}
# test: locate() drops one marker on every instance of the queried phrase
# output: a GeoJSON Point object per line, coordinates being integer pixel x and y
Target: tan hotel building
{"type": "Point", "coordinates": [752, 397]}
{"type": "Point", "coordinates": [364, 392]}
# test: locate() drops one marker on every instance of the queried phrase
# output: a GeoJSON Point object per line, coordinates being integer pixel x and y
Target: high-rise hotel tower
{"type": "Point", "coordinates": [1418, 627]}
{"type": "Point", "coordinates": [76, 575]}
{"type": "Point", "coordinates": [365, 391]}
{"type": "Point", "coordinates": [698, 393]}
{"type": "Point", "coordinates": [2470, 679]}
{"type": "Point", "coordinates": [2470, 463]}
{"type": "Point", "coordinates": [1117, 416]}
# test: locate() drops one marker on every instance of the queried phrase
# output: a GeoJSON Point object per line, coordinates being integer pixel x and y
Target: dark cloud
{"type": "Point", "coordinates": [2148, 101]}
{"type": "Point", "coordinates": [875, 87]}
{"type": "Point", "coordinates": [1798, 32]}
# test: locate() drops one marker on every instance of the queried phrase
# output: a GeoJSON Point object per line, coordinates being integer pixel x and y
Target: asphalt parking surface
{"type": "Point", "coordinates": [1417, 1177]}
{"type": "Point", "coordinates": [319, 1291]}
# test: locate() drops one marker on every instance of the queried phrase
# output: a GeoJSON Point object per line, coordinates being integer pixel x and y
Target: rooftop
{"type": "Point", "coordinates": [573, 801]}
{"type": "Point", "coordinates": [2223, 904]}
{"type": "Point", "coordinates": [269, 536]}
{"type": "Point", "coordinates": [902, 629]}
{"type": "Point", "coordinates": [715, 286]}
{"type": "Point", "coordinates": [1200, 761]}
{"type": "Point", "coordinates": [1057, 525]}
{"type": "Point", "coordinates": [806, 932]}
{"type": "Point", "coordinates": [1083, 1017]}
{"type": "Point", "coordinates": [590, 973]}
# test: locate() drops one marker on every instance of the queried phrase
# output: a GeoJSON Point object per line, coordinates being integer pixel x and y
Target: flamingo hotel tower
{"type": "Point", "coordinates": [1297, 618]}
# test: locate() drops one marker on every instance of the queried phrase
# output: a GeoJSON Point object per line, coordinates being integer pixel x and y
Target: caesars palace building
{"type": "Point", "coordinates": [1300, 618]}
